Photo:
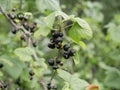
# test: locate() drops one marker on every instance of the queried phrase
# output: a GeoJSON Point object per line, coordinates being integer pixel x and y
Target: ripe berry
{"type": "Point", "coordinates": [22, 37]}
{"type": "Point", "coordinates": [61, 34]}
{"type": "Point", "coordinates": [55, 67]}
{"type": "Point", "coordinates": [20, 16]}
{"type": "Point", "coordinates": [59, 45]}
{"type": "Point", "coordinates": [34, 43]}
{"type": "Point", "coordinates": [25, 25]}
{"type": "Point", "coordinates": [66, 47]}
{"type": "Point", "coordinates": [1, 65]}
{"type": "Point", "coordinates": [57, 40]}
{"type": "Point", "coordinates": [12, 16]}
{"type": "Point", "coordinates": [13, 9]}
{"type": "Point", "coordinates": [51, 45]}
{"type": "Point", "coordinates": [61, 63]}
{"type": "Point", "coordinates": [55, 34]}
{"type": "Point", "coordinates": [4, 86]}
{"type": "Point", "coordinates": [58, 61]}
{"type": "Point", "coordinates": [65, 55]}
{"type": "Point", "coordinates": [51, 62]}
{"type": "Point", "coordinates": [25, 18]}
{"type": "Point", "coordinates": [31, 73]}
{"type": "Point", "coordinates": [14, 30]}
{"type": "Point", "coordinates": [49, 86]}
{"type": "Point", "coordinates": [71, 52]}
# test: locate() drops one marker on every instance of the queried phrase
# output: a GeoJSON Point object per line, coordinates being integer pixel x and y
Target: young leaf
{"type": "Point", "coordinates": [24, 53]}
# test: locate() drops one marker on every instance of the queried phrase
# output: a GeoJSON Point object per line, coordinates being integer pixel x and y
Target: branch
{"type": "Point", "coordinates": [13, 24]}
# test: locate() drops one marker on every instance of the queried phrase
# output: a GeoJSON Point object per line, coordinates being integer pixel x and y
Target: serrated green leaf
{"type": "Point", "coordinates": [24, 53]}
{"type": "Point", "coordinates": [64, 75]}
{"type": "Point", "coordinates": [113, 79]}
{"type": "Point", "coordinates": [52, 5]}
{"type": "Point", "coordinates": [76, 83]}
{"type": "Point", "coordinates": [49, 20]}
{"type": "Point", "coordinates": [85, 31]}
{"type": "Point", "coordinates": [14, 67]}
{"type": "Point", "coordinates": [73, 80]}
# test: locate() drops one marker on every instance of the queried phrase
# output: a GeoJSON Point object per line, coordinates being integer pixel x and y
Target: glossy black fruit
{"type": "Point", "coordinates": [51, 62]}
{"type": "Point", "coordinates": [31, 73]}
{"type": "Point", "coordinates": [61, 34]}
{"type": "Point", "coordinates": [22, 37]}
{"type": "Point", "coordinates": [55, 67]}
{"type": "Point", "coordinates": [51, 45]}
{"type": "Point", "coordinates": [12, 16]}
{"type": "Point", "coordinates": [65, 55]}
{"type": "Point", "coordinates": [66, 47]}
{"type": "Point", "coordinates": [34, 43]}
{"type": "Point", "coordinates": [71, 52]}
{"type": "Point", "coordinates": [49, 86]}
{"type": "Point", "coordinates": [25, 18]}
{"type": "Point", "coordinates": [58, 61]}
{"type": "Point", "coordinates": [57, 40]}
{"type": "Point", "coordinates": [25, 25]}
{"type": "Point", "coordinates": [20, 16]}
{"type": "Point", "coordinates": [14, 30]}
{"type": "Point", "coordinates": [55, 34]}
{"type": "Point", "coordinates": [1, 65]}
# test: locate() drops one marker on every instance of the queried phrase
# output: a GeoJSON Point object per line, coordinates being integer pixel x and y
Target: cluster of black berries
{"type": "Point", "coordinates": [31, 73]}
{"type": "Point", "coordinates": [56, 40]}
{"type": "Point", "coordinates": [3, 86]}
{"type": "Point", "coordinates": [68, 52]}
{"type": "Point", "coordinates": [23, 21]}
{"type": "Point", "coordinates": [55, 63]}
{"type": "Point", "coordinates": [49, 87]}
{"type": "Point", "coordinates": [1, 65]}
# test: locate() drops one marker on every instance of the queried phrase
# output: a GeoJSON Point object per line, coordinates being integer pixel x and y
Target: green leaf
{"type": "Point", "coordinates": [49, 20]}
{"type": "Point", "coordinates": [64, 75]}
{"type": "Point", "coordinates": [113, 79]}
{"type": "Point", "coordinates": [76, 83]}
{"type": "Point", "coordinates": [12, 66]}
{"type": "Point", "coordinates": [24, 53]}
{"type": "Point", "coordinates": [66, 86]}
{"type": "Point", "coordinates": [73, 80]}
{"type": "Point", "coordinates": [52, 5]}
{"type": "Point", "coordinates": [42, 31]}
{"type": "Point", "coordinates": [85, 31]}
{"type": "Point", "coordinates": [76, 58]}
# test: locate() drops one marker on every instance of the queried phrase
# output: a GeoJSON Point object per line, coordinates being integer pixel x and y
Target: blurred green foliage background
{"type": "Point", "coordinates": [99, 62]}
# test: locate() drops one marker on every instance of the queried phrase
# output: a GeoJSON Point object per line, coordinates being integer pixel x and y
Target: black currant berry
{"type": "Point", "coordinates": [4, 86]}
{"type": "Point", "coordinates": [49, 86]}
{"type": "Point", "coordinates": [58, 61]}
{"type": "Point", "coordinates": [1, 65]}
{"type": "Point", "coordinates": [25, 25]}
{"type": "Point", "coordinates": [31, 73]}
{"type": "Point", "coordinates": [13, 9]}
{"type": "Point", "coordinates": [18, 89]}
{"type": "Point", "coordinates": [71, 52]}
{"type": "Point", "coordinates": [65, 55]}
{"type": "Point", "coordinates": [66, 47]}
{"type": "Point", "coordinates": [51, 62]}
{"type": "Point", "coordinates": [55, 67]}
{"type": "Point", "coordinates": [51, 45]}
{"type": "Point", "coordinates": [59, 46]}
{"type": "Point", "coordinates": [57, 40]}
{"type": "Point", "coordinates": [55, 34]}
{"type": "Point", "coordinates": [20, 16]}
{"type": "Point", "coordinates": [61, 34]}
{"type": "Point", "coordinates": [25, 18]}
{"type": "Point", "coordinates": [61, 64]}
{"type": "Point", "coordinates": [22, 37]}
{"type": "Point", "coordinates": [34, 43]}
{"type": "Point", "coordinates": [52, 31]}
{"type": "Point", "coordinates": [14, 30]}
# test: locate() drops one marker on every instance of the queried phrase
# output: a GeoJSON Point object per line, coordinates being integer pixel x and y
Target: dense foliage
{"type": "Point", "coordinates": [59, 45]}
